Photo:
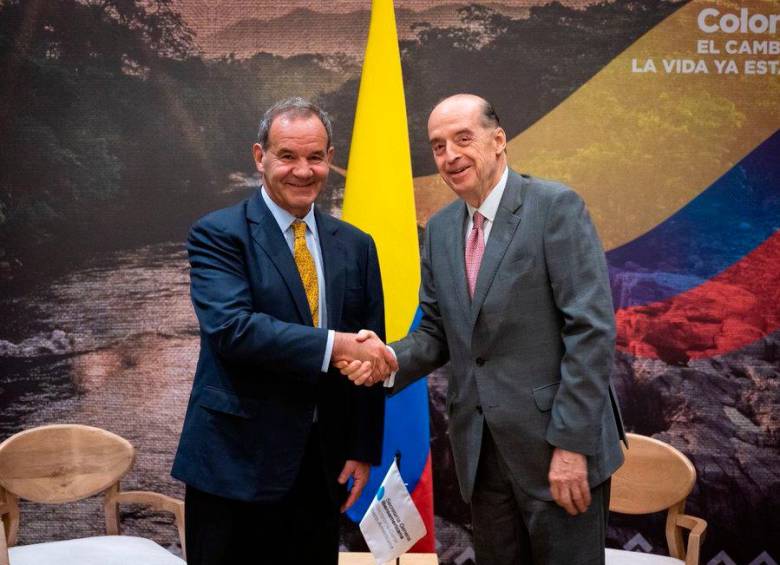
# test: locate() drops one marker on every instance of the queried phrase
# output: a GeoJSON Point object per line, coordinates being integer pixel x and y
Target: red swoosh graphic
{"type": "Point", "coordinates": [733, 309]}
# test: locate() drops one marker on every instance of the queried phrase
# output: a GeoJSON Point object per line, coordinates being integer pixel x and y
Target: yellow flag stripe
{"type": "Point", "coordinates": [379, 192]}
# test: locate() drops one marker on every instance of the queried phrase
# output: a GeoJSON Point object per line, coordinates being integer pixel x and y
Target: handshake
{"type": "Point", "coordinates": [362, 357]}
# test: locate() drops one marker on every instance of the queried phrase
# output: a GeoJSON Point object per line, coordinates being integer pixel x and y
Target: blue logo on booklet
{"type": "Point", "coordinates": [380, 493]}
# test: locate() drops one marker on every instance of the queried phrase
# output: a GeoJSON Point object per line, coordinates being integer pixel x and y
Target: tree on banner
{"type": "Point", "coordinates": [379, 199]}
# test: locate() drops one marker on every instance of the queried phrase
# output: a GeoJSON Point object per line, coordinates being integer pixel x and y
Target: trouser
{"type": "Point", "coordinates": [513, 528]}
{"type": "Point", "coordinates": [302, 527]}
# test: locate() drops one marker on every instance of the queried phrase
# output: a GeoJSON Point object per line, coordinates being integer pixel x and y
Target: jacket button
{"type": "Point", "coordinates": [479, 408]}
{"type": "Point", "coordinates": [480, 361]}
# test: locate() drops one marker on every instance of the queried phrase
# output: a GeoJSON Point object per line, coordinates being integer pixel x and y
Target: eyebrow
{"type": "Point", "coordinates": [287, 150]}
{"type": "Point", "coordinates": [461, 132]}
{"type": "Point", "coordinates": [457, 133]}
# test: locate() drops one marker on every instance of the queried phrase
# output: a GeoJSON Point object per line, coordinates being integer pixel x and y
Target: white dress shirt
{"type": "Point", "coordinates": [488, 208]}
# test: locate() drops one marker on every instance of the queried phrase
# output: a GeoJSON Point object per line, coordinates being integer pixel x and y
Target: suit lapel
{"type": "Point", "coordinates": [503, 230]}
{"type": "Point", "coordinates": [333, 263]}
{"type": "Point", "coordinates": [269, 238]}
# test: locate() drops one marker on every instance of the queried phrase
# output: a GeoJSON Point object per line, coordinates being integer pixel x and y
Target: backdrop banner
{"type": "Point", "coordinates": [123, 121]}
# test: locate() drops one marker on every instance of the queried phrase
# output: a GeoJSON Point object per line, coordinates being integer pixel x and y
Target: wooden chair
{"type": "Point", "coordinates": [656, 477]}
{"type": "Point", "coordinates": [65, 463]}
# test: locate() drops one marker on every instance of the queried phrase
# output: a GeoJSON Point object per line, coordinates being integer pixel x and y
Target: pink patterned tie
{"type": "Point", "coordinates": [475, 248]}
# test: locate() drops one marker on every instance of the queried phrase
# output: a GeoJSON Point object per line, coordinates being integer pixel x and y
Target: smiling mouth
{"type": "Point", "coordinates": [459, 172]}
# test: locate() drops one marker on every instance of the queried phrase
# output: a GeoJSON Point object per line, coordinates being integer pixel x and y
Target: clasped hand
{"type": "Point", "coordinates": [362, 357]}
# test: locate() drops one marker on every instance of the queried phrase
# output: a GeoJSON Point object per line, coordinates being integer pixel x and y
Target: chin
{"type": "Point", "coordinates": [462, 189]}
{"type": "Point", "coordinates": [304, 205]}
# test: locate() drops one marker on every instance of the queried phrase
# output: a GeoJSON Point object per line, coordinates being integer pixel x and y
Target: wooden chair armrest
{"type": "Point", "coordinates": [696, 527]}
{"type": "Point", "coordinates": [154, 500]}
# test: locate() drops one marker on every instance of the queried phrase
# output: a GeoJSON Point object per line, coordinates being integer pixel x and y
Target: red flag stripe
{"type": "Point", "coordinates": [422, 496]}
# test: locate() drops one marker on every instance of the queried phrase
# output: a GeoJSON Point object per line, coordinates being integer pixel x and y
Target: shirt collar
{"type": "Point", "coordinates": [489, 207]}
{"type": "Point", "coordinates": [284, 218]}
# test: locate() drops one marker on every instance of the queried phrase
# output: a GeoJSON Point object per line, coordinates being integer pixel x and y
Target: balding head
{"type": "Point", "coordinates": [486, 110]}
{"type": "Point", "coordinates": [468, 145]}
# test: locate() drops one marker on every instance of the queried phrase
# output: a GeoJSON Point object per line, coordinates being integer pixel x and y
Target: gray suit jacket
{"type": "Point", "coordinates": [531, 354]}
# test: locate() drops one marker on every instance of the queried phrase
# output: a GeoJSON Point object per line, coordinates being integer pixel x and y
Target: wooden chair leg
{"type": "Point", "coordinates": [179, 514]}
{"type": "Point", "coordinates": [111, 508]}
{"type": "Point", "coordinates": [9, 516]}
{"type": "Point", "coordinates": [674, 537]}
{"type": "Point", "coordinates": [4, 558]}
{"type": "Point", "coordinates": [9, 523]}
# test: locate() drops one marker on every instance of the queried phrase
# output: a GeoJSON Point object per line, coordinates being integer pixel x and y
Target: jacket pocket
{"type": "Point", "coordinates": [544, 395]}
{"type": "Point", "coordinates": [219, 400]}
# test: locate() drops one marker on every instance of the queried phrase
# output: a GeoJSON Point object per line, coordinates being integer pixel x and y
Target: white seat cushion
{"type": "Point", "coordinates": [99, 550]}
{"type": "Point", "coordinates": [620, 557]}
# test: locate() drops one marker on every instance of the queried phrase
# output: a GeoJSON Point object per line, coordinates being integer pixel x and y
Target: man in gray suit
{"type": "Point", "coordinates": [515, 295]}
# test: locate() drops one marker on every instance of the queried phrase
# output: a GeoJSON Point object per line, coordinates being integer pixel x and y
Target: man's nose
{"type": "Point", "coordinates": [450, 153]}
{"type": "Point", "coordinates": [302, 169]}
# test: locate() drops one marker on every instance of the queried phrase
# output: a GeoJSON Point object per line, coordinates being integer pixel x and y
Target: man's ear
{"type": "Point", "coordinates": [330, 154]}
{"type": "Point", "coordinates": [257, 153]}
{"type": "Point", "coordinates": [499, 139]}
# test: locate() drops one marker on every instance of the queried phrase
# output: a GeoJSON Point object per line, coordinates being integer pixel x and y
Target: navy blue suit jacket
{"type": "Point", "coordinates": [259, 375]}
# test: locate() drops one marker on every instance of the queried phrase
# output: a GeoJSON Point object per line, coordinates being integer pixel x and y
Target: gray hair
{"type": "Point", "coordinates": [296, 107]}
{"type": "Point", "coordinates": [489, 115]}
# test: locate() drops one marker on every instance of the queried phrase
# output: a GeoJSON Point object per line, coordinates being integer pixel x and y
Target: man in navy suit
{"type": "Point", "coordinates": [272, 433]}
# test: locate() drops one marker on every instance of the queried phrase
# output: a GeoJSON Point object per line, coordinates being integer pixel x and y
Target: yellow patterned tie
{"type": "Point", "coordinates": [306, 268]}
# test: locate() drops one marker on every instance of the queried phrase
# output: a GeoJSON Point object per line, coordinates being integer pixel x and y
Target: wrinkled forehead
{"type": "Point", "coordinates": [298, 130]}
{"type": "Point", "coordinates": [447, 120]}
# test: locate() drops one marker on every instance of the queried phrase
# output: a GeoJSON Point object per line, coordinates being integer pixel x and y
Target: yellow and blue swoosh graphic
{"type": "Point", "coordinates": [680, 173]}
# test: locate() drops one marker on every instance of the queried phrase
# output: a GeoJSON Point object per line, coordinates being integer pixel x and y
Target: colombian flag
{"type": "Point", "coordinates": [379, 199]}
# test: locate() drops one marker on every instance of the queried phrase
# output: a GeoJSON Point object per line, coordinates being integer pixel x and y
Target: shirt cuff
{"type": "Point", "coordinates": [328, 350]}
{"type": "Point", "coordinates": [390, 381]}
